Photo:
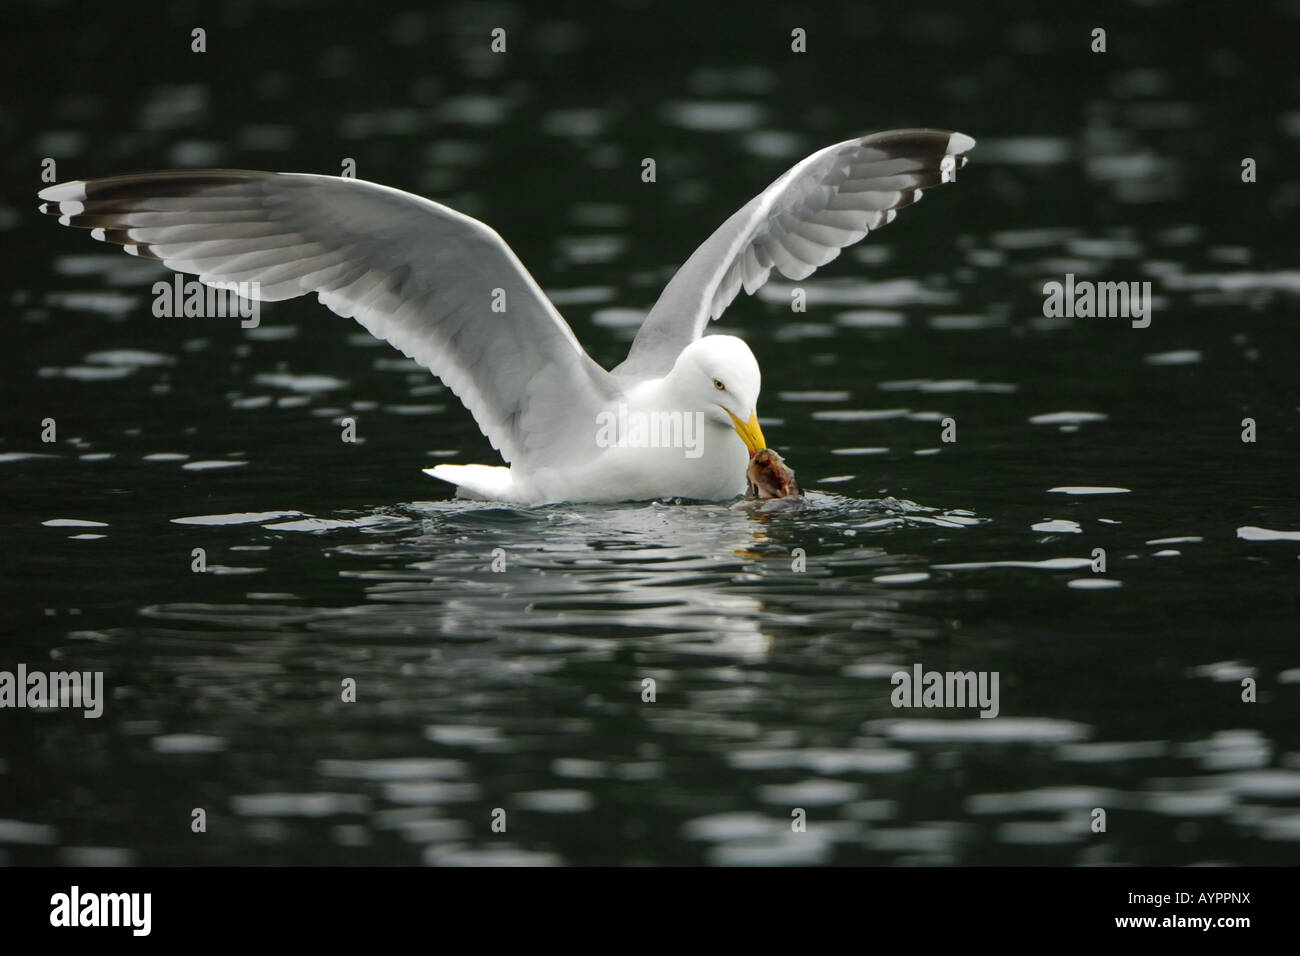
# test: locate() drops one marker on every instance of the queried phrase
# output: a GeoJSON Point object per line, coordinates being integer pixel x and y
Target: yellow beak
{"type": "Point", "coordinates": [749, 431]}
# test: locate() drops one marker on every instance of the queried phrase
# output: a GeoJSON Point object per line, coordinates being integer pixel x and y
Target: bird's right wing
{"type": "Point", "coordinates": [417, 274]}
{"type": "Point", "coordinates": [801, 222]}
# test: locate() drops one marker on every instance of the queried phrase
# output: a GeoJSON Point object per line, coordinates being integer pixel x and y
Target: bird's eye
{"type": "Point", "coordinates": [719, 386]}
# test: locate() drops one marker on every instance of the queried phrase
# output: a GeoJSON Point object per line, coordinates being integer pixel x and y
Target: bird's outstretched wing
{"type": "Point", "coordinates": [824, 203]}
{"type": "Point", "coordinates": [421, 276]}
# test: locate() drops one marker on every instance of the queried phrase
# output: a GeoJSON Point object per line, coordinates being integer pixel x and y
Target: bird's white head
{"type": "Point", "coordinates": [719, 375]}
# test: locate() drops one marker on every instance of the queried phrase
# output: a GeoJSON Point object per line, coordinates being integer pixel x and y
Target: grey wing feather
{"type": "Point", "coordinates": [415, 273]}
{"type": "Point", "coordinates": [828, 201]}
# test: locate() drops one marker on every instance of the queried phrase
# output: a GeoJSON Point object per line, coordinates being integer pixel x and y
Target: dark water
{"type": "Point", "coordinates": [522, 689]}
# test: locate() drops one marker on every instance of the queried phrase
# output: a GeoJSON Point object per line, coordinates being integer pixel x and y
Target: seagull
{"type": "Point", "coordinates": [678, 419]}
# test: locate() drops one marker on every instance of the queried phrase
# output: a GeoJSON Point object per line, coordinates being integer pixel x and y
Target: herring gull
{"type": "Point", "coordinates": [677, 419]}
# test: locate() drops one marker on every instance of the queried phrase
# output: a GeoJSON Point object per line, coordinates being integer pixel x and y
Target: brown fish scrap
{"type": "Point", "coordinates": [768, 476]}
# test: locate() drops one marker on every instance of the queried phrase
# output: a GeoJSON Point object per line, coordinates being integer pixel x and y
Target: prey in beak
{"type": "Point", "coordinates": [768, 476]}
{"type": "Point", "coordinates": [749, 431]}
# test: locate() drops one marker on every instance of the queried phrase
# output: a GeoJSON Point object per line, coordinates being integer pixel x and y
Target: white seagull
{"type": "Point", "coordinates": [677, 419]}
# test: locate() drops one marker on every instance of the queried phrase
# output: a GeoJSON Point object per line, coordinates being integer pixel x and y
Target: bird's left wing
{"type": "Point", "coordinates": [828, 201]}
{"type": "Point", "coordinates": [443, 288]}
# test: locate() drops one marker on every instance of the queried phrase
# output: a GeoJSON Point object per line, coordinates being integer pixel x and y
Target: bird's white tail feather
{"type": "Point", "coordinates": [488, 482]}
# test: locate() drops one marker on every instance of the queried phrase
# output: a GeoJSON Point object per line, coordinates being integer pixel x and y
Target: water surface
{"type": "Point", "coordinates": [500, 655]}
